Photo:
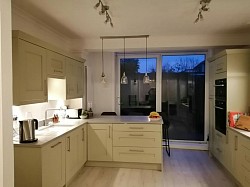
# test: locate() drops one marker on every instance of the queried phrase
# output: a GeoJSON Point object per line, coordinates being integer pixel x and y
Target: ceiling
{"type": "Point", "coordinates": [77, 19]}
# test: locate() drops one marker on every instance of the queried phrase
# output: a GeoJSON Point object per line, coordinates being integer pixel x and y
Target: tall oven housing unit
{"type": "Point", "coordinates": [229, 84]}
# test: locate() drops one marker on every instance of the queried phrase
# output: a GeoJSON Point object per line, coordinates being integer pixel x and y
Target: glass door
{"type": "Point", "coordinates": [137, 98]}
{"type": "Point", "coordinates": [183, 95]}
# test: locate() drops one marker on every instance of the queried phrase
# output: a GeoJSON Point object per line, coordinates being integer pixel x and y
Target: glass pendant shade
{"type": "Point", "coordinates": [103, 79]}
{"type": "Point", "coordinates": [124, 79]}
{"type": "Point", "coordinates": [146, 79]}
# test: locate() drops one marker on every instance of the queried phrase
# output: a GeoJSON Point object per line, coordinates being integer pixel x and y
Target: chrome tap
{"type": "Point", "coordinates": [50, 109]}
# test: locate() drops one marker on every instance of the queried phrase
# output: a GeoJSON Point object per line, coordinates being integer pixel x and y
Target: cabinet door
{"type": "Point", "coordinates": [71, 154]}
{"type": "Point", "coordinates": [53, 156]}
{"type": "Point", "coordinates": [71, 81]}
{"type": "Point", "coordinates": [55, 64]}
{"type": "Point", "coordinates": [79, 78]}
{"type": "Point", "coordinates": [82, 146]}
{"type": "Point", "coordinates": [211, 79]}
{"type": "Point", "coordinates": [100, 142]}
{"type": "Point", "coordinates": [29, 73]}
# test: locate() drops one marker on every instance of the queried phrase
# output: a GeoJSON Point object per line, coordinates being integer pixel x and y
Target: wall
{"type": "Point", "coordinates": [101, 95]}
{"type": "Point", "coordinates": [6, 145]}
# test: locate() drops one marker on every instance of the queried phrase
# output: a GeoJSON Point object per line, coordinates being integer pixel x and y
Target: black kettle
{"type": "Point", "coordinates": [27, 130]}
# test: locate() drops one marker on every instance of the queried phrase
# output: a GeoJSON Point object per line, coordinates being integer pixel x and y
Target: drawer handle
{"type": "Point", "coordinates": [57, 71]}
{"type": "Point", "coordinates": [136, 135]}
{"type": "Point", "coordinates": [68, 143]}
{"type": "Point", "coordinates": [235, 143]}
{"type": "Point", "coordinates": [136, 150]}
{"type": "Point", "coordinates": [83, 133]}
{"type": "Point", "coordinates": [218, 150]}
{"type": "Point", "coordinates": [136, 127]}
{"type": "Point", "coordinates": [219, 69]}
{"type": "Point", "coordinates": [56, 144]}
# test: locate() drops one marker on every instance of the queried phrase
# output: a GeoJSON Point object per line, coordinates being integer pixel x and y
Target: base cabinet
{"type": "Point", "coordinates": [100, 142]}
{"type": "Point", "coordinates": [53, 163]}
{"type": "Point", "coordinates": [40, 167]}
{"type": "Point", "coordinates": [82, 145]}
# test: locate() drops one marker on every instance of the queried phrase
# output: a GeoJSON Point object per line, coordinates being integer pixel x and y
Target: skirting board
{"type": "Point", "coordinates": [125, 165]}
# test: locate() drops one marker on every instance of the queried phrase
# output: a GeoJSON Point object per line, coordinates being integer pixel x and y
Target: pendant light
{"type": "Point", "coordinates": [103, 77]}
{"type": "Point", "coordinates": [124, 79]}
{"type": "Point", "coordinates": [146, 78]}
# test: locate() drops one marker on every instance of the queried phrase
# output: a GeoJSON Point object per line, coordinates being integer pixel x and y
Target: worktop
{"type": "Point", "coordinates": [48, 133]}
{"type": "Point", "coordinates": [242, 132]}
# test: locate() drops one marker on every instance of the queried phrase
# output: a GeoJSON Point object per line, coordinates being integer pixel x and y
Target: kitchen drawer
{"type": "Point", "coordinates": [141, 139]}
{"type": "Point", "coordinates": [137, 154]}
{"type": "Point", "coordinates": [137, 127]}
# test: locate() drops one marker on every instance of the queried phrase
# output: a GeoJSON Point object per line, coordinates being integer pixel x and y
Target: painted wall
{"type": "Point", "coordinates": [101, 95]}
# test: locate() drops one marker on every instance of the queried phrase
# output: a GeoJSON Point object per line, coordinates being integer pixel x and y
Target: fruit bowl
{"type": "Point", "coordinates": [154, 118]}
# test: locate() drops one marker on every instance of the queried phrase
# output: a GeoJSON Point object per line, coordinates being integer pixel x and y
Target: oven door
{"type": "Point", "coordinates": [221, 89]}
{"type": "Point", "coordinates": [220, 116]}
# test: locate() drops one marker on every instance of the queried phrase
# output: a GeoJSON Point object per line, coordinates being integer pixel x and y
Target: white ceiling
{"type": "Point", "coordinates": [77, 19]}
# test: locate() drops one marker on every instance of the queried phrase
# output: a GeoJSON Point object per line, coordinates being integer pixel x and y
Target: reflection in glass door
{"type": "Point", "coordinates": [183, 93]}
{"type": "Point", "coordinates": [137, 98]}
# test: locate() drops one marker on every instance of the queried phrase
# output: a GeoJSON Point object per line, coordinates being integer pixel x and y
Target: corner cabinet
{"type": "Point", "coordinates": [29, 73]}
{"type": "Point", "coordinates": [100, 142]}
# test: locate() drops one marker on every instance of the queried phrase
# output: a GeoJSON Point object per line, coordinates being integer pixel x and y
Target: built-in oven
{"type": "Point", "coordinates": [221, 105]}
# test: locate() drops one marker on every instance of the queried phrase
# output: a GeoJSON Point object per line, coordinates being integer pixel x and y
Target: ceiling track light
{"type": "Point", "coordinates": [204, 8]}
{"type": "Point", "coordinates": [104, 11]}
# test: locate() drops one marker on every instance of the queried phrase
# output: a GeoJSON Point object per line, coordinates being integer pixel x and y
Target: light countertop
{"type": "Point", "coordinates": [49, 133]}
{"type": "Point", "coordinates": [242, 132]}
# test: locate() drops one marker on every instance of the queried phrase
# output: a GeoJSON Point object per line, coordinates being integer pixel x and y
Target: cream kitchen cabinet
{"type": "Point", "coordinates": [139, 143]}
{"type": "Point", "coordinates": [29, 73]}
{"type": "Point", "coordinates": [55, 65]}
{"type": "Point", "coordinates": [71, 154]}
{"type": "Point", "coordinates": [74, 81]}
{"type": "Point", "coordinates": [100, 142]}
{"type": "Point", "coordinates": [40, 166]}
{"type": "Point", "coordinates": [82, 145]}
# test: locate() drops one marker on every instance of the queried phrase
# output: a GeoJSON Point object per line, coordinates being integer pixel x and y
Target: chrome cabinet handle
{"type": "Point", "coordinates": [235, 143]}
{"type": "Point", "coordinates": [45, 87]}
{"type": "Point", "coordinates": [68, 143]}
{"type": "Point", "coordinates": [136, 135]}
{"type": "Point", "coordinates": [83, 137]}
{"type": "Point", "coordinates": [57, 71]}
{"type": "Point", "coordinates": [55, 144]}
{"type": "Point", "coordinates": [109, 131]}
{"type": "Point", "coordinates": [136, 127]}
{"type": "Point", "coordinates": [136, 150]}
{"type": "Point", "coordinates": [219, 108]}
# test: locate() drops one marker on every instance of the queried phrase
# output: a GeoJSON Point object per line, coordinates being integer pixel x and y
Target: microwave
{"type": "Point", "coordinates": [73, 113]}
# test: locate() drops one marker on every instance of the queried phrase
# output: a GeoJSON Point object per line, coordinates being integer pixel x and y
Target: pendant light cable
{"type": "Point", "coordinates": [146, 79]}
{"type": "Point", "coordinates": [124, 79]}
{"type": "Point", "coordinates": [103, 77]}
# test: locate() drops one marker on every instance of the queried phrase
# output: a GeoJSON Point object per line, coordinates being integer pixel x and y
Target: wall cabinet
{"type": "Point", "coordinates": [34, 61]}
{"type": "Point", "coordinates": [29, 73]}
{"type": "Point", "coordinates": [100, 142]}
{"type": "Point", "coordinates": [55, 64]}
{"type": "Point", "coordinates": [74, 80]}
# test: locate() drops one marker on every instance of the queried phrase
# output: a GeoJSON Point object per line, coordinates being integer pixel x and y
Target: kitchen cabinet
{"type": "Point", "coordinates": [100, 142]}
{"type": "Point", "coordinates": [82, 145]}
{"type": "Point", "coordinates": [29, 73]}
{"type": "Point", "coordinates": [53, 161]}
{"type": "Point", "coordinates": [71, 154]}
{"type": "Point", "coordinates": [139, 143]}
{"type": "Point", "coordinates": [55, 65]}
{"type": "Point", "coordinates": [34, 61]}
{"type": "Point", "coordinates": [74, 81]}
{"type": "Point", "coordinates": [41, 166]}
